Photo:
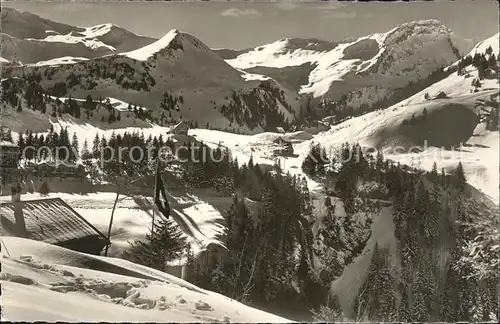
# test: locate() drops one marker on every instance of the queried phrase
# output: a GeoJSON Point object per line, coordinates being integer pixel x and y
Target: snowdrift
{"type": "Point", "coordinates": [43, 282]}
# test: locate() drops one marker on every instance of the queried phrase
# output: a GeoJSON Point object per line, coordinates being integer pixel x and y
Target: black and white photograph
{"type": "Point", "coordinates": [239, 161]}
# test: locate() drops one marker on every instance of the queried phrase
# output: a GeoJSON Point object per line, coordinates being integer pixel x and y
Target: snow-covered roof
{"type": "Point", "coordinates": [49, 220]}
{"type": "Point", "coordinates": [178, 124]}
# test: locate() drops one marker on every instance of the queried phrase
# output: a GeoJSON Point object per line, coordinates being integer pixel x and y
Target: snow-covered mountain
{"type": "Point", "coordinates": [360, 71]}
{"type": "Point", "coordinates": [177, 76]}
{"type": "Point", "coordinates": [30, 38]}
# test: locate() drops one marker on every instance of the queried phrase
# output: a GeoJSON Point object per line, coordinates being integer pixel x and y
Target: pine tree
{"type": "Point", "coordinates": [434, 172]}
{"type": "Point", "coordinates": [20, 142]}
{"type": "Point", "coordinates": [492, 62]}
{"type": "Point", "coordinates": [376, 300]}
{"type": "Point", "coordinates": [166, 242]}
{"type": "Point", "coordinates": [459, 177]}
{"type": "Point", "coordinates": [330, 313]}
{"type": "Point", "coordinates": [425, 306]}
{"type": "Point", "coordinates": [85, 150]}
{"type": "Point", "coordinates": [75, 152]}
{"type": "Point", "coordinates": [96, 146]}
{"type": "Point", "coordinates": [489, 50]}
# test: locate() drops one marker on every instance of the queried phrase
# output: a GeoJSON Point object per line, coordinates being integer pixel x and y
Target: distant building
{"type": "Point", "coordinates": [330, 120]}
{"type": "Point", "coordinates": [51, 221]}
{"type": "Point", "coordinates": [66, 169]}
{"type": "Point", "coordinates": [285, 146]}
{"type": "Point", "coordinates": [9, 151]}
{"type": "Point", "coordinates": [9, 155]}
{"type": "Point", "coordinates": [441, 95]}
{"type": "Point", "coordinates": [211, 255]}
{"type": "Point", "coordinates": [180, 129]}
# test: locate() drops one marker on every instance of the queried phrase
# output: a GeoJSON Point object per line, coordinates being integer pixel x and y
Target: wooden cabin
{"type": "Point", "coordinates": [180, 128]}
{"type": "Point", "coordinates": [51, 221]}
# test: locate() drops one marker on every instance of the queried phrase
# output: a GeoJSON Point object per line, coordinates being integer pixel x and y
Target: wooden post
{"type": "Point", "coordinates": [154, 194]}
{"type": "Point", "coordinates": [111, 222]}
{"type": "Point", "coordinates": [153, 221]}
{"type": "Point", "coordinates": [6, 250]}
{"type": "Point", "coordinates": [153, 208]}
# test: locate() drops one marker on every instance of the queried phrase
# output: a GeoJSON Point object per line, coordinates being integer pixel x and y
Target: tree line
{"type": "Point", "coordinates": [437, 278]}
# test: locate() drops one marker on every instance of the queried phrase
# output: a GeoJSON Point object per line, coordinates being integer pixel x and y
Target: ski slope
{"type": "Point", "coordinates": [42, 282]}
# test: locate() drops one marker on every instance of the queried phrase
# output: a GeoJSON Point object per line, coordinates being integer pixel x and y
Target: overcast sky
{"type": "Point", "coordinates": [240, 25]}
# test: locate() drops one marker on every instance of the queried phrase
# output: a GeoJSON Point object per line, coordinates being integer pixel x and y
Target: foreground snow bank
{"type": "Point", "coordinates": [43, 282]}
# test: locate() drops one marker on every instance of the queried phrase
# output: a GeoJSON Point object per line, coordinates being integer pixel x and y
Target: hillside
{"type": "Point", "coordinates": [362, 72]}
{"type": "Point", "coordinates": [458, 85]}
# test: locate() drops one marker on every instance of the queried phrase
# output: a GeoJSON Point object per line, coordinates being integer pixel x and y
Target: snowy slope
{"type": "Point", "coordinates": [88, 36]}
{"type": "Point", "coordinates": [481, 47]}
{"type": "Point", "coordinates": [366, 69]}
{"type": "Point", "coordinates": [33, 51]}
{"type": "Point", "coordinates": [454, 86]}
{"type": "Point", "coordinates": [60, 60]}
{"type": "Point", "coordinates": [32, 39]}
{"type": "Point", "coordinates": [42, 282]}
{"type": "Point", "coordinates": [142, 54]}
{"type": "Point", "coordinates": [383, 129]}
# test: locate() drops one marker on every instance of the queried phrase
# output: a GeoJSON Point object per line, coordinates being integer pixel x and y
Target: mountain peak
{"type": "Point", "coordinates": [144, 53]}
{"type": "Point", "coordinates": [431, 28]}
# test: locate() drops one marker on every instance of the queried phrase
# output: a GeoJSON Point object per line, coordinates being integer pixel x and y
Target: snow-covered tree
{"type": "Point", "coordinates": [166, 242]}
